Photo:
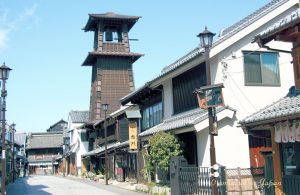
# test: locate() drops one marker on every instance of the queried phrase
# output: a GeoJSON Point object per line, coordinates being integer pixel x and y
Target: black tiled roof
{"type": "Point", "coordinates": [79, 116]}
{"type": "Point", "coordinates": [109, 16]}
{"type": "Point", "coordinates": [92, 56]}
{"type": "Point", "coordinates": [254, 16]}
{"type": "Point", "coordinates": [112, 15]}
{"type": "Point", "coordinates": [284, 23]}
{"type": "Point", "coordinates": [286, 107]}
{"type": "Point", "coordinates": [45, 140]}
{"type": "Point", "coordinates": [182, 120]}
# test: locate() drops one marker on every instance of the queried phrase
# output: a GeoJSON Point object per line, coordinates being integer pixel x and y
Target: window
{"type": "Point", "coordinates": [152, 115]}
{"type": "Point", "coordinates": [83, 136]}
{"type": "Point", "coordinates": [291, 158]}
{"type": "Point", "coordinates": [261, 68]}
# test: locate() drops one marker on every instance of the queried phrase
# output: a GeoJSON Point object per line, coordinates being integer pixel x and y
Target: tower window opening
{"type": "Point", "coordinates": [112, 35]}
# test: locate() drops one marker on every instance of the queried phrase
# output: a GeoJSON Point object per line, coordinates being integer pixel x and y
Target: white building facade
{"type": "Point", "coordinates": [78, 141]}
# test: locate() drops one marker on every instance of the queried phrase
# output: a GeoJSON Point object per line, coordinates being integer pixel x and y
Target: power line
{"type": "Point", "coordinates": [242, 92]}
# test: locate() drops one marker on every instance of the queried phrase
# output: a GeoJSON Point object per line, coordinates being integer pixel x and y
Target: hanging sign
{"type": "Point", "coordinates": [132, 135]}
{"type": "Point", "coordinates": [210, 96]}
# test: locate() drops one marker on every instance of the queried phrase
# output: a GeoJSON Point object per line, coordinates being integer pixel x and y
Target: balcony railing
{"type": "Point", "coordinates": [114, 47]}
{"type": "Point", "coordinates": [42, 157]}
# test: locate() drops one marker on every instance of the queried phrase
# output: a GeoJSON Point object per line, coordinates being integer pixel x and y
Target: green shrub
{"type": "Point", "coordinates": [163, 146]}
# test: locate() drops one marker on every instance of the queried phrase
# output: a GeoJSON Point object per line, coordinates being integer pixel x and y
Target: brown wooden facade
{"type": "Point", "coordinates": [111, 61]}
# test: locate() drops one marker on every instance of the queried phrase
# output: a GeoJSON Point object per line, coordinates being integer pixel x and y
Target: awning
{"type": "Point", "coordinates": [133, 114]}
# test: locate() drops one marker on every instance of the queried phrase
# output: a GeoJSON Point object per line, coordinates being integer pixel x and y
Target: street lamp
{"type": "Point", "coordinates": [4, 73]}
{"type": "Point", "coordinates": [206, 39]}
{"type": "Point", "coordinates": [13, 129]}
{"type": "Point", "coordinates": [105, 108]}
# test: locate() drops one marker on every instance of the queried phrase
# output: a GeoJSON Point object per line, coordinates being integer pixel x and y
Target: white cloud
{"type": "Point", "coordinates": [6, 25]}
{"type": "Point", "coordinates": [28, 12]}
{"type": "Point", "coordinates": [3, 39]}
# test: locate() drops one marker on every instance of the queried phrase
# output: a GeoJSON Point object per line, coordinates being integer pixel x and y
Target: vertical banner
{"type": "Point", "coordinates": [297, 131]}
{"type": "Point", "coordinates": [284, 133]}
{"type": "Point", "coordinates": [132, 135]}
{"type": "Point", "coordinates": [278, 133]}
{"type": "Point", "coordinates": [292, 133]}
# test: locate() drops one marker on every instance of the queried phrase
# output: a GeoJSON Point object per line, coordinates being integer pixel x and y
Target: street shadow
{"type": "Point", "coordinates": [22, 187]}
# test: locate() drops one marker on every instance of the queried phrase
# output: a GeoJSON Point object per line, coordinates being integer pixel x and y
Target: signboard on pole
{"type": "Point", "coordinates": [133, 136]}
{"type": "Point", "coordinates": [210, 96]}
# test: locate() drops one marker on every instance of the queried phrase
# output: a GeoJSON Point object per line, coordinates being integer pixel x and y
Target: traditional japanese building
{"type": "Point", "coordinates": [281, 120]}
{"type": "Point", "coordinates": [111, 61]}
{"type": "Point", "coordinates": [42, 148]}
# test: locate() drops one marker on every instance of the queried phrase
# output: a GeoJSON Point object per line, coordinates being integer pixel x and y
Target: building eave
{"type": "Point", "coordinates": [109, 16]}
{"type": "Point", "coordinates": [91, 58]}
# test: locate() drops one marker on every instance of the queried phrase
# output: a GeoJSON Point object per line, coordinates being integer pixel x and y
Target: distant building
{"type": "Point", "coordinates": [78, 143]}
{"type": "Point", "coordinates": [20, 147]}
{"type": "Point", "coordinates": [42, 149]}
{"type": "Point", "coordinates": [57, 127]}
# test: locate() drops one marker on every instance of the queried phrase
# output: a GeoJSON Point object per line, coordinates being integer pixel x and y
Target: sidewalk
{"type": "Point", "coordinates": [59, 185]}
{"type": "Point", "coordinates": [134, 187]}
{"type": "Point", "coordinates": [124, 185]}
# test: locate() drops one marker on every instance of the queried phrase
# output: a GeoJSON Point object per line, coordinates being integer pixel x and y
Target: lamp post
{"type": "Point", "coordinates": [105, 108]}
{"type": "Point", "coordinates": [4, 73]}
{"type": "Point", "coordinates": [13, 129]}
{"type": "Point", "coordinates": [206, 39]}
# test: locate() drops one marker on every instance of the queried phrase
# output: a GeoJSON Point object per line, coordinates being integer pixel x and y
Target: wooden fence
{"type": "Point", "coordinates": [244, 181]}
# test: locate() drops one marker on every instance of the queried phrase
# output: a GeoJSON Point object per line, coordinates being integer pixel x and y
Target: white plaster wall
{"type": "Point", "coordinates": [232, 149]}
{"type": "Point", "coordinates": [82, 147]}
{"type": "Point", "coordinates": [168, 98]}
{"type": "Point", "coordinates": [249, 99]}
{"type": "Point", "coordinates": [203, 144]}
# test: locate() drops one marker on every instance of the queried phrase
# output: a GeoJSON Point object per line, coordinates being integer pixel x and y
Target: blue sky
{"type": "Point", "coordinates": [43, 43]}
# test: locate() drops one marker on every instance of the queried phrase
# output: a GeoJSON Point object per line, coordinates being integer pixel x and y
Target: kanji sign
{"type": "Point", "coordinates": [132, 136]}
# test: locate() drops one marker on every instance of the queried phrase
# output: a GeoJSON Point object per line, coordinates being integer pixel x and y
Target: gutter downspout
{"type": "Point", "coordinates": [259, 42]}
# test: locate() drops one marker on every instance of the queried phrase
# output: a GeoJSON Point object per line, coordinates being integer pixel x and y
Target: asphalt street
{"type": "Point", "coordinates": [46, 185]}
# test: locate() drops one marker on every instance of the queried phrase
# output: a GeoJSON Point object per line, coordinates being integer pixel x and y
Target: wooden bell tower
{"type": "Point", "coordinates": [111, 61]}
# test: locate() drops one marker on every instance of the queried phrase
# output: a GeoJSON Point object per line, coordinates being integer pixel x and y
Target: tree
{"type": "Point", "coordinates": [163, 146]}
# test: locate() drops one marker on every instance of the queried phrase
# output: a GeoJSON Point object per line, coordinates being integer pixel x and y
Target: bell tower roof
{"type": "Point", "coordinates": [94, 19]}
